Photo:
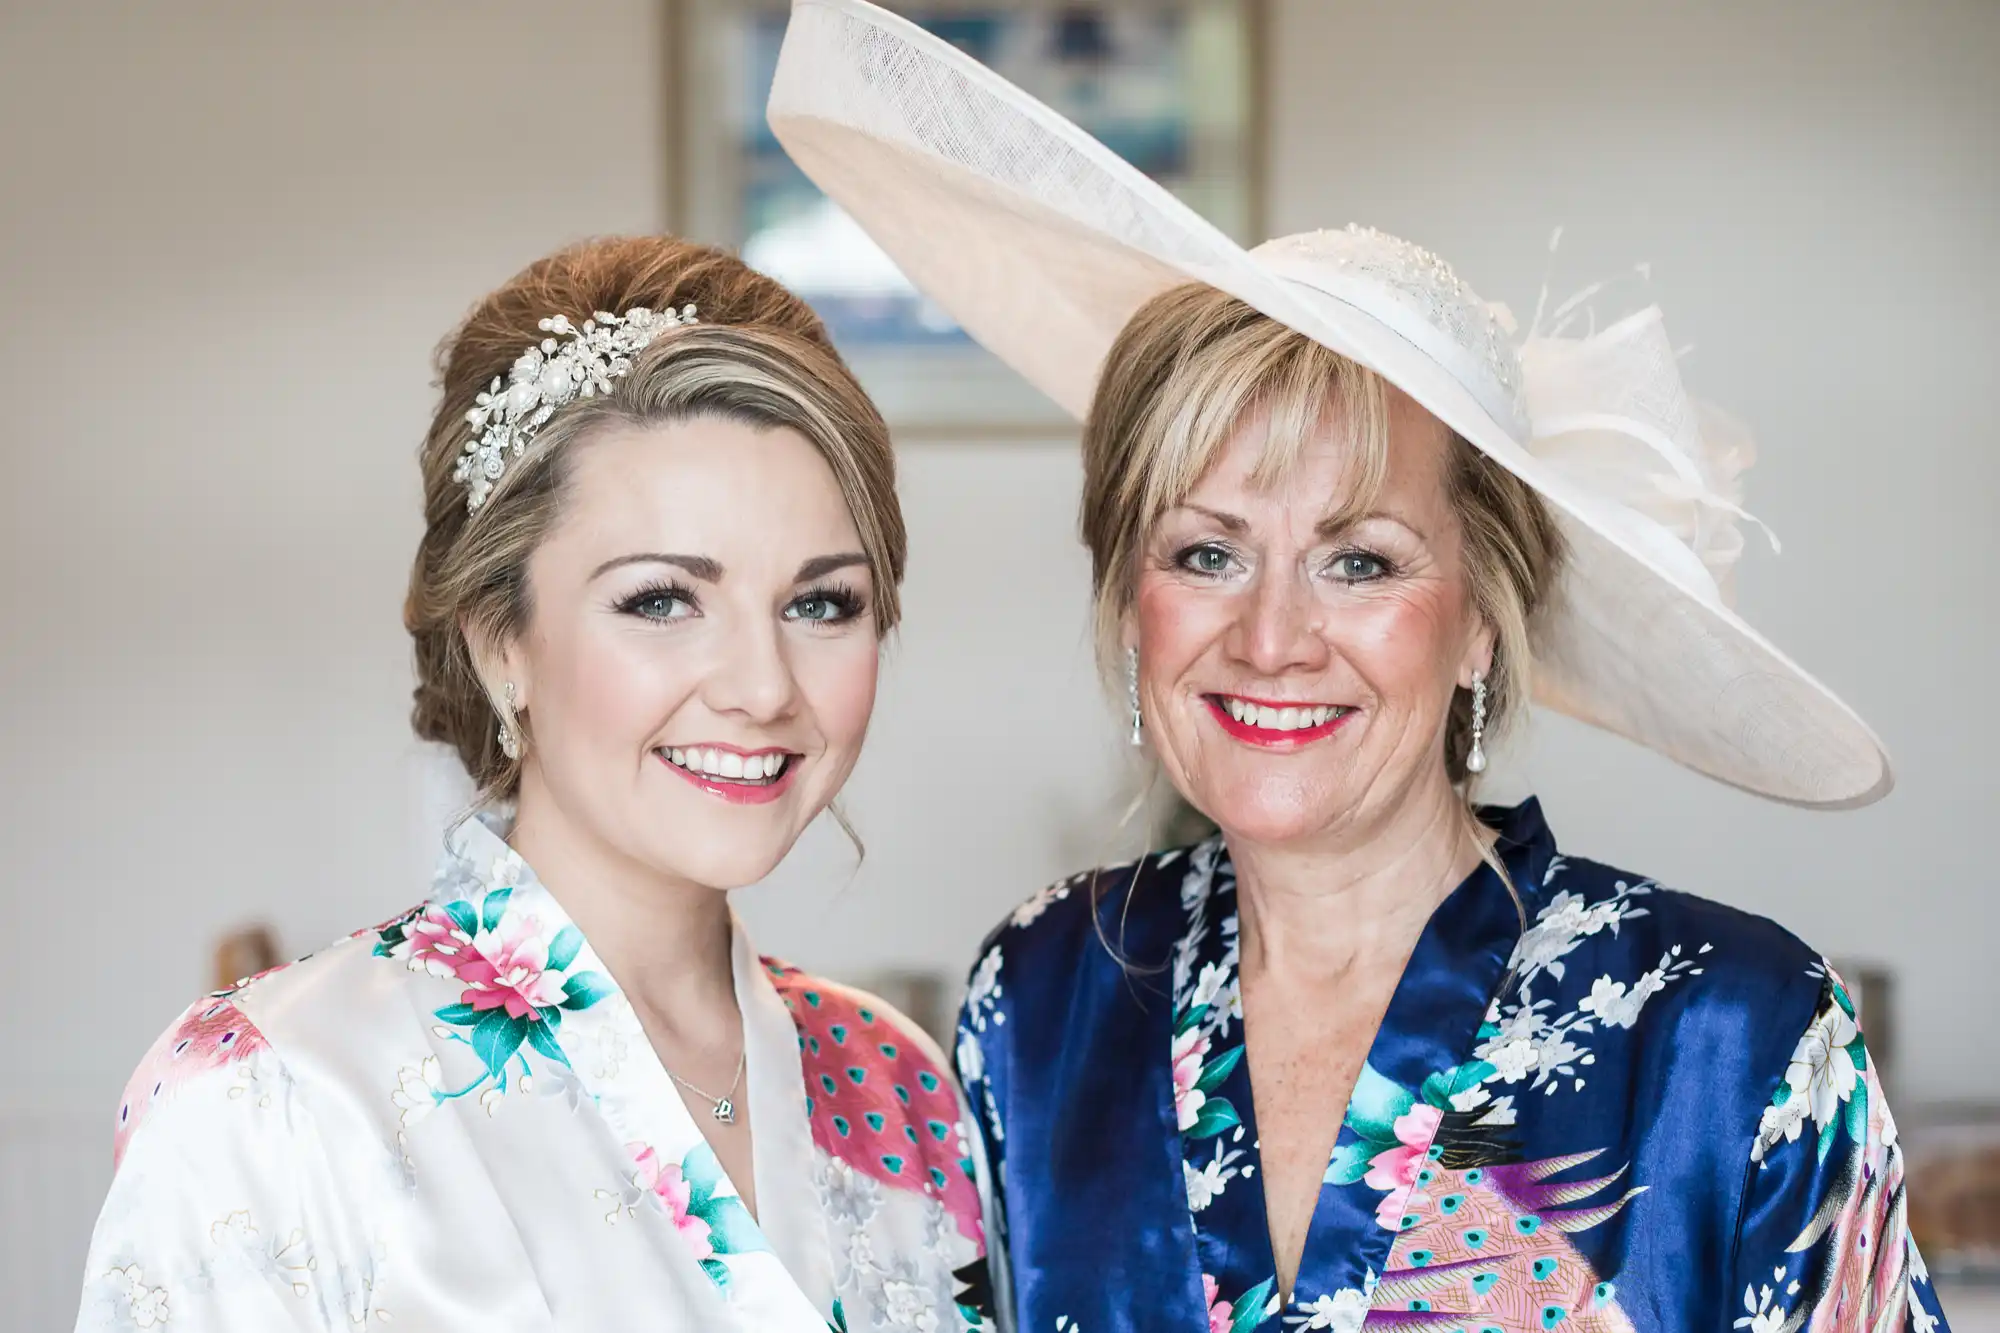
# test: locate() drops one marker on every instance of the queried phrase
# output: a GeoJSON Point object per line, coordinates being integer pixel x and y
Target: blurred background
{"type": "Point", "coordinates": [231, 234]}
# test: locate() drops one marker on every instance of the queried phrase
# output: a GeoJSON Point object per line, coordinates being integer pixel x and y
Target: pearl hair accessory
{"type": "Point", "coordinates": [572, 363]}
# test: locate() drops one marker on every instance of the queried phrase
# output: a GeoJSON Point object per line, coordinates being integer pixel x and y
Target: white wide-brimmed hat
{"type": "Point", "coordinates": [1043, 243]}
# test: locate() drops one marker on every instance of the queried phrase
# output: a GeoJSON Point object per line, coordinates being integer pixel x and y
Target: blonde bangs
{"type": "Point", "coordinates": [1194, 370]}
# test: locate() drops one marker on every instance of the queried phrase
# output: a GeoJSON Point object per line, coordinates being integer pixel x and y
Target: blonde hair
{"type": "Point", "coordinates": [1191, 369]}
{"type": "Point", "coordinates": [758, 355]}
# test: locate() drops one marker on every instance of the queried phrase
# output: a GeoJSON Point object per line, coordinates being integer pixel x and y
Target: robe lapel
{"type": "Point", "coordinates": [585, 1052]}
{"type": "Point", "coordinates": [788, 1199]}
{"type": "Point", "coordinates": [1420, 1059]}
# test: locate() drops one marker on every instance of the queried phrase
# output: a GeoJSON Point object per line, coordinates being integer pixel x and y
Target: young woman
{"type": "Point", "coordinates": [662, 550]}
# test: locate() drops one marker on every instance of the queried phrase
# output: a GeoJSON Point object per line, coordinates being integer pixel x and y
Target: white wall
{"type": "Point", "coordinates": [231, 232]}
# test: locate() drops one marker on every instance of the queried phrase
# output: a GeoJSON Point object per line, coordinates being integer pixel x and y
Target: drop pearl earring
{"type": "Point", "coordinates": [1132, 695]}
{"type": "Point", "coordinates": [1475, 759]}
{"type": "Point", "coordinates": [510, 737]}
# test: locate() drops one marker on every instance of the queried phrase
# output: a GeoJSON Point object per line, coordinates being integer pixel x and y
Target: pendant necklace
{"type": "Point", "coordinates": [722, 1108]}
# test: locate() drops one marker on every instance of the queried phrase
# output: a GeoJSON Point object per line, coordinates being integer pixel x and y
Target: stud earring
{"type": "Point", "coordinates": [1475, 759]}
{"type": "Point", "coordinates": [1132, 695]}
{"type": "Point", "coordinates": [510, 736]}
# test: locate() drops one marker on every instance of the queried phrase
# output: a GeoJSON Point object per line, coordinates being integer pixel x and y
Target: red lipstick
{"type": "Point", "coordinates": [1265, 738]}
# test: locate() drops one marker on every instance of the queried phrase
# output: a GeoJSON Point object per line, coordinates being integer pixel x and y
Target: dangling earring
{"type": "Point", "coordinates": [1475, 759]}
{"type": "Point", "coordinates": [510, 736]}
{"type": "Point", "coordinates": [1132, 694]}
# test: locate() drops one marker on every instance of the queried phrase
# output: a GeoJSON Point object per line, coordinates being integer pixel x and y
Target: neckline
{"type": "Point", "coordinates": [589, 1042]}
{"type": "Point", "coordinates": [1460, 962]}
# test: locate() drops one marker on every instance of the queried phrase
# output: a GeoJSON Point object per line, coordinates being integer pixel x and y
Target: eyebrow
{"type": "Point", "coordinates": [710, 571]}
{"type": "Point", "coordinates": [1329, 527]}
{"type": "Point", "coordinates": [703, 568]}
{"type": "Point", "coordinates": [821, 565]}
{"type": "Point", "coordinates": [1334, 524]}
{"type": "Point", "coordinates": [1229, 523]}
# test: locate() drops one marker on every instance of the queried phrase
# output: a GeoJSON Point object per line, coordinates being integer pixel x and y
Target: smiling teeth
{"type": "Point", "coordinates": [1279, 719]}
{"type": "Point", "coordinates": [727, 764]}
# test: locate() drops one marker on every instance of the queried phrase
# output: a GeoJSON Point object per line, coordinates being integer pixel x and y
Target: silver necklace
{"type": "Point", "coordinates": [722, 1108]}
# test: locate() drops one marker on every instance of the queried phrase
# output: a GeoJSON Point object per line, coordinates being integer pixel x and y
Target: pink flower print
{"type": "Point", "coordinates": [437, 945]}
{"type": "Point", "coordinates": [665, 1182]}
{"type": "Point", "coordinates": [1219, 1313]}
{"type": "Point", "coordinates": [1189, 1049]}
{"type": "Point", "coordinates": [1395, 1169]}
{"type": "Point", "coordinates": [511, 970]}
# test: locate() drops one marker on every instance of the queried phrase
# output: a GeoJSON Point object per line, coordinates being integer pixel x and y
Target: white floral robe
{"type": "Point", "coordinates": [453, 1121]}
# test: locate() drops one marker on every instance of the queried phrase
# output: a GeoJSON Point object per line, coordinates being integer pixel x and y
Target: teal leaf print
{"type": "Point", "coordinates": [1350, 1162]}
{"type": "Point", "coordinates": [497, 1038]}
{"type": "Point", "coordinates": [1215, 1117]}
{"type": "Point", "coordinates": [1253, 1307]}
{"type": "Point", "coordinates": [1214, 1073]}
{"type": "Point", "coordinates": [731, 1229]}
{"type": "Point", "coordinates": [702, 1171]}
{"type": "Point", "coordinates": [564, 947]}
{"type": "Point", "coordinates": [543, 1039]}
{"type": "Point", "coordinates": [585, 989]}
{"type": "Point", "coordinates": [395, 935]}
{"type": "Point", "coordinates": [1376, 1105]}
{"type": "Point", "coordinates": [1439, 1087]}
{"type": "Point", "coordinates": [463, 916]}
{"type": "Point", "coordinates": [718, 1272]}
{"type": "Point", "coordinates": [495, 908]}
{"type": "Point", "coordinates": [459, 1015]}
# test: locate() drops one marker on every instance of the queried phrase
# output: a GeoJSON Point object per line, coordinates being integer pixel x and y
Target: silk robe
{"type": "Point", "coordinates": [1611, 1108]}
{"type": "Point", "coordinates": [453, 1121]}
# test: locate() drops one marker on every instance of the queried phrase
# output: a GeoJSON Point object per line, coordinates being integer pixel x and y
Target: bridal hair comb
{"type": "Point", "coordinates": [569, 364]}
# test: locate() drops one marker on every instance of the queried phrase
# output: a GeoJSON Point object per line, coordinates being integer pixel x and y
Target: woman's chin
{"type": "Point", "coordinates": [717, 862]}
{"type": "Point", "coordinates": [1269, 819]}
{"type": "Point", "coordinates": [727, 851]}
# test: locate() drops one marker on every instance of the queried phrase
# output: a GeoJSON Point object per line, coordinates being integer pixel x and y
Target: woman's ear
{"type": "Point", "coordinates": [1478, 660]}
{"type": "Point", "coordinates": [501, 670]}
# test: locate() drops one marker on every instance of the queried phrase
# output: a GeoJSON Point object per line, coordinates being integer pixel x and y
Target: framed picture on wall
{"type": "Point", "coordinates": [1170, 85]}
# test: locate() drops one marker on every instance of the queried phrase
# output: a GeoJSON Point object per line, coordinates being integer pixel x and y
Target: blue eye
{"type": "Point", "coordinates": [1205, 559]}
{"type": "Point", "coordinates": [825, 606]}
{"type": "Point", "coordinates": [1359, 567]}
{"type": "Point", "coordinates": [665, 602]}
{"type": "Point", "coordinates": [815, 608]}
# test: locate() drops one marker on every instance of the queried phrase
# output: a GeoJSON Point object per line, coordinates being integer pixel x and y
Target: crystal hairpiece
{"type": "Point", "coordinates": [572, 363]}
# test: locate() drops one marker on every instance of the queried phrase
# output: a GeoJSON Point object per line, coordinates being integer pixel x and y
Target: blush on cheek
{"type": "Point", "coordinates": [622, 696]}
{"type": "Point", "coordinates": [1176, 623]}
{"type": "Point", "coordinates": [839, 688]}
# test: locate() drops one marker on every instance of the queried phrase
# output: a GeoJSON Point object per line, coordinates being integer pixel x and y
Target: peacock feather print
{"type": "Point", "coordinates": [1482, 1237]}
{"type": "Point", "coordinates": [1486, 1249]}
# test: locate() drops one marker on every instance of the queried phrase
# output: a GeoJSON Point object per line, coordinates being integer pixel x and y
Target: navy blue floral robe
{"type": "Point", "coordinates": [1643, 1112]}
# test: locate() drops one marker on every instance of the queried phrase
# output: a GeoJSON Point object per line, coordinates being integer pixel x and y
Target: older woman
{"type": "Point", "coordinates": [1373, 1055]}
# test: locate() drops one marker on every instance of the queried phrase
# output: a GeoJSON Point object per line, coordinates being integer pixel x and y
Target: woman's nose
{"type": "Point", "coordinates": [754, 678]}
{"type": "Point", "coordinates": [1277, 631]}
